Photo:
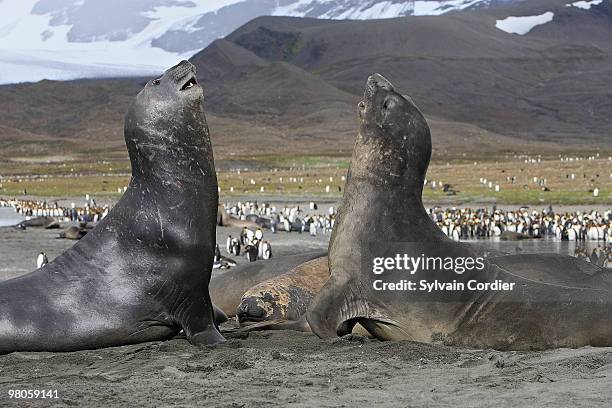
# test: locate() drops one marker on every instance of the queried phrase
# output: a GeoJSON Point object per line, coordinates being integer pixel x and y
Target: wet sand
{"type": "Point", "coordinates": [19, 249]}
{"type": "Point", "coordinates": [284, 368]}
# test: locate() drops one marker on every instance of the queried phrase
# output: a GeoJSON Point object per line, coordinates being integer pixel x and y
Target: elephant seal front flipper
{"type": "Point", "coordinates": [142, 274]}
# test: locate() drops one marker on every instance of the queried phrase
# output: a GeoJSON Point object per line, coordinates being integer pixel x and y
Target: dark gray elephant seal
{"type": "Point", "coordinates": [142, 274]}
{"type": "Point", "coordinates": [556, 301]}
{"type": "Point", "coordinates": [513, 236]}
{"type": "Point", "coordinates": [42, 221]}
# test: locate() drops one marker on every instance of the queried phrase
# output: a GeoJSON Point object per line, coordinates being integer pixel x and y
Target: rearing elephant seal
{"type": "Point", "coordinates": [504, 302]}
{"type": "Point", "coordinates": [142, 274]}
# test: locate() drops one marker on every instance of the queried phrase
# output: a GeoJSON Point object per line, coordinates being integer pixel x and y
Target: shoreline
{"type": "Point", "coordinates": [326, 202]}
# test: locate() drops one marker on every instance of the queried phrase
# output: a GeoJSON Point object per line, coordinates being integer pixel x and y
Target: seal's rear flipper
{"type": "Point", "coordinates": [208, 336]}
{"type": "Point", "coordinates": [198, 320]}
{"type": "Point", "coordinates": [383, 330]}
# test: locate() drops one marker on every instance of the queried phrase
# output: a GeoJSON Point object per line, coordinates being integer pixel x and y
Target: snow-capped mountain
{"type": "Point", "coordinates": [208, 27]}
{"type": "Point", "coordinates": [66, 39]}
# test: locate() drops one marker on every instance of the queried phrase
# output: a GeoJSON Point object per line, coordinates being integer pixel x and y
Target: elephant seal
{"type": "Point", "coordinates": [285, 297]}
{"type": "Point", "coordinates": [226, 220]}
{"type": "Point", "coordinates": [53, 225]}
{"type": "Point", "coordinates": [42, 221]}
{"type": "Point", "coordinates": [261, 222]}
{"type": "Point", "coordinates": [73, 232]}
{"type": "Point", "coordinates": [513, 236]}
{"type": "Point", "coordinates": [227, 288]}
{"type": "Point", "coordinates": [142, 274]}
{"type": "Point", "coordinates": [524, 301]}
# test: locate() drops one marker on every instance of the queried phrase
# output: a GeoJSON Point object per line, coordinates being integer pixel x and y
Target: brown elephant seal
{"type": "Point", "coordinates": [53, 225]}
{"type": "Point", "coordinates": [227, 220]}
{"type": "Point", "coordinates": [227, 288]}
{"type": "Point", "coordinates": [285, 297]}
{"type": "Point", "coordinates": [142, 274]}
{"type": "Point", "coordinates": [503, 302]}
{"type": "Point", "coordinates": [73, 232]}
{"type": "Point", "coordinates": [513, 236]}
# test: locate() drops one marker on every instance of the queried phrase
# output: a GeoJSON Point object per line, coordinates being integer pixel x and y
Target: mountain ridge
{"type": "Point", "coordinates": [483, 90]}
{"type": "Point", "coordinates": [68, 39]}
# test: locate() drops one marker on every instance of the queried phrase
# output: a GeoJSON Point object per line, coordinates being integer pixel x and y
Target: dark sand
{"type": "Point", "coordinates": [286, 368]}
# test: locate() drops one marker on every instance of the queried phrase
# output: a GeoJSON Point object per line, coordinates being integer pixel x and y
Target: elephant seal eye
{"type": "Point", "coordinates": [156, 81]}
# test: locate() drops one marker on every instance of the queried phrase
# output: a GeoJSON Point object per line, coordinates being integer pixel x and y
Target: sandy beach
{"type": "Point", "coordinates": [282, 368]}
{"type": "Point", "coordinates": [406, 122]}
{"type": "Point", "coordinates": [277, 369]}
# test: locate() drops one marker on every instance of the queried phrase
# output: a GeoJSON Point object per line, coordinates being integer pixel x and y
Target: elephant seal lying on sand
{"type": "Point", "coordinates": [228, 288]}
{"type": "Point", "coordinates": [285, 297]}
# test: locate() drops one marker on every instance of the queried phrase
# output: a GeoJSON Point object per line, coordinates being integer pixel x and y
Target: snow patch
{"type": "Point", "coordinates": [378, 10]}
{"type": "Point", "coordinates": [586, 5]}
{"type": "Point", "coordinates": [31, 49]}
{"type": "Point", "coordinates": [435, 8]}
{"type": "Point", "coordinates": [523, 25]}
{"type": "Point", "coordinates": [381, 10]}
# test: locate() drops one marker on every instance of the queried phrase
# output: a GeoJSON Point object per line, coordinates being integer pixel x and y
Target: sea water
{"type": "Point", "coordinates": [8, 217]}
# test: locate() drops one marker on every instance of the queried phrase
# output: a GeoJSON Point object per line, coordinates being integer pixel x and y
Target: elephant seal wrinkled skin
{"type": "Point", "coordinates": [285, 297]}
{"type": "Point", "coordinates": [142, 274]}
{"type": "Point", "coordinates": [556, 301]}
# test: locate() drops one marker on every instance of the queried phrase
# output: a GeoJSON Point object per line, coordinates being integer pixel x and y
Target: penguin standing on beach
{"type": "Point", "coordinates": [259, 246]}
{"type": "Point", "coordinates": [228, 244]}
{"type": "Point", "coordinates": [217, 257]}
{"type": "Point", "coordinates": [267, 250]}
{"type": "Point", "coordinates": [251, 253]}
{"type": "Point", "coordinates": [235, 249]}
{"type": "Point", "coordinates": [42, 260]}
{"type": "Point", "coordinates": [312, 228]}
{"type": "Point", "coordinates": [243, 236]}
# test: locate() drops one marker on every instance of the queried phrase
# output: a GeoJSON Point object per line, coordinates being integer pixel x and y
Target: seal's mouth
{"type": "Point", "coordinates": [191, 82]}
{"type": "Point", "coordinates": [362, 108]}
{"type": "Point", "coordinates": [247, 320]}
{"type": "Point", "coordinates": [374, 84]}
